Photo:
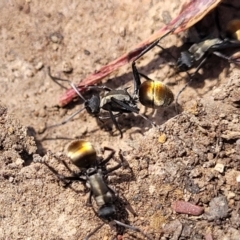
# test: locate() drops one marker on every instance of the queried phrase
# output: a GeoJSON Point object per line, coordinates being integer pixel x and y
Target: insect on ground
{"type": "Point", "coordinates": [93, 174]}
{"type": "Point", "coordinates": [198, 53]}
{"type": "Point", "coordinates": [114, 102]}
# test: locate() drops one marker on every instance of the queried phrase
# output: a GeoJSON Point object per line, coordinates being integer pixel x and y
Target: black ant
{"type": "Point", "coordinates": [197, 52]}
{"type": "Point", "coordinates": [93, 175]}
{"type": "Point", "coordinates": [119, 101]}
{"type": "Point", "coordinates": [200, 52]}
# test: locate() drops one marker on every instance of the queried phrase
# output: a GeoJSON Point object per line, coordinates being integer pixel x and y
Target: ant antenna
{"type": "Point", "coordinates": [56, 79]}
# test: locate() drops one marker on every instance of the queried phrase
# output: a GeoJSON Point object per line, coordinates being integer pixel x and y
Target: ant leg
{"type": "Point", "coordinates": [153, 44]}
{"type": "Point", "coordinates": [115, 123]}
{"type": "Point", "coordinates": [221, 55]}
{"type": "Point", "coordinates": [106, 160]}
{"type": "Point", "coordinates": [145, 76]}
{"type": "Point", "coordinates": [64, 178]}
{"type": "Point", "coordinates": [190, 80]}
{"type": "Point", "coordinates": [89, 199]}
{"type": "Point", "coordinates": [124, 106]}
{"type": "Point", "coordinates": [107, 117]}
{"type": "Point", "coordinates": [168, 52]}
{"type": "Point", "coordinates": [132, 228]}
{"type": "Point", "coordinates": [136, 77]}
{"type": "Point", "coordinates": [66, 120]}
{"type": "Point", "coordinates": [109, 157]}
{"type": "Point", "coordinates": [56, 79]}
{"type": "Point", "coordinates": [72, 178]}
{"type": "Point", "coordinates": [130, 109]}
{"type": "Point", "coordinates": [93, 232]}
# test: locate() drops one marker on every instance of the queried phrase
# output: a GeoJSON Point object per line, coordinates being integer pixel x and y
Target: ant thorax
{"type": "Point", "coordinates": [199, 49]}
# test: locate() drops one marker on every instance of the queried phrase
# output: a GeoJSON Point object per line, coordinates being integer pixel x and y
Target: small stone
{"type": "Point", "coordinates": [67, 67]}
{"type": "Point", "coordinates": [162, 138]}
{"type": "Point", "coordinates": [238, 178]}
{"type": "Point", "coordinates": [122, 31]}
{"type": "Point", "coordinates": [56, 37]}
{"type": "Point", "coordinates": [219, 167]}
{"type": "Point", "coordinates": [175, 228]}
{"type": "Point", "coordinates": [187, 208]}
{"type": "Point", "coordinates": [86, 52]}
{"type": "Point", "coordinates": [231, 195]}
{"type": "Point", "coordinates": [11, 179]}
{"type": "Point", "coordinates": [218, 208]}
{"type": "Point", "coordinates": [222, 115]}
{"type": "Point", "coordinates": [39, 66]}
{"type": "Point", "coordinates": [19, 161]}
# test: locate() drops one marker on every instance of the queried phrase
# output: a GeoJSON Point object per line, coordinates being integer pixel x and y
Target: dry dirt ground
{"type": "Point", "coordinates": [193, 156]}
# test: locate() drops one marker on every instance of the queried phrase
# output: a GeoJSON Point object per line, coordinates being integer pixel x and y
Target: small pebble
{"type": "Point", "coordinates": [162, 138]}
{"type": "Point", "coordinates": [187, 208]}
{"type": "Point", "coordinates": [39, 66]}
{"type": "Point", "coordinates": [231, 195]}
{"type": "Point", "coordinates": [67, 67]}
{"type": "Point", "coordinates": [86, 52]}
{"type": "Point", "coordinates": [218, 208]}
{"type": "Point", "coordinates": [19, 161]}
{"type": "Point", "coordinates": [175, 228]}
{"type": "Point", "coordinates": [56, 37]}
{"type": "Point", "coordinates": [238, 178]}
{"type": "Point", "coordinates": [11, 179]}
{"type": "Point", "coordinates": [219, 167]}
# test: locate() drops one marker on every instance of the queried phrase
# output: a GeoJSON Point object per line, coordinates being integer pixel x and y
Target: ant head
{"type": "Point", "coordinates": [107, 212]}
{"type": "Point", "coordinates": [82, 154]}
{"type": "Point", "coordinates": [184, 62]}
{"type": "Point", "coordinates": [92, 105]}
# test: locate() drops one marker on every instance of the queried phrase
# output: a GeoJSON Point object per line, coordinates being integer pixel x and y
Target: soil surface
{"type": "Point", "coordinates": [192, 156]}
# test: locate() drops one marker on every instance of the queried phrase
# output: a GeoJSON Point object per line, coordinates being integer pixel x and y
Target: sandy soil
{"type": "Point", "coordinates": [194, 156]}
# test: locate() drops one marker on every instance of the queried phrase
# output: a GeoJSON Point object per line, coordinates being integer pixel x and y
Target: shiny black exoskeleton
{"type": "Point", "coordinates": [118, 101]}
{"type": "Point", "coordinates": [199, 52]}
{"type": "Point", "coordinates": [93, 175]}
